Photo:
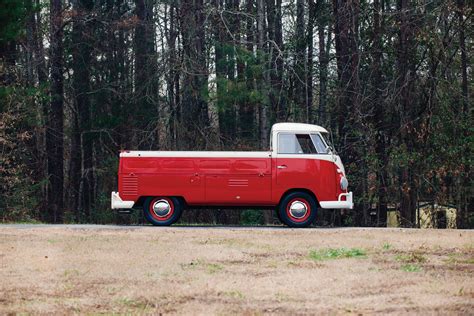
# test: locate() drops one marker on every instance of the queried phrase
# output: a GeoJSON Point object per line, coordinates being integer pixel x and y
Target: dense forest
{"type": "Point", "coordinates": [80, 80]}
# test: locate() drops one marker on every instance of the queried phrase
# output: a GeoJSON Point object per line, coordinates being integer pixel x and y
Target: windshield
{"type": "Point", "coordinates": [326, 139]}
{"type": "Point", "coordinates": [319, 143]}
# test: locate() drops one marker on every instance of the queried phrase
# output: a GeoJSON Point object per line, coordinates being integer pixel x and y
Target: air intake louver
{"type": "Point", "coordinates": [129, 185]}
{"type": "Point", "coordinates": [238, 182]}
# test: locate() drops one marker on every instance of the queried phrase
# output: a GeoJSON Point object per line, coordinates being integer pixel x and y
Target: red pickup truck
{"type": "Point", "coordinates": [300, 173]}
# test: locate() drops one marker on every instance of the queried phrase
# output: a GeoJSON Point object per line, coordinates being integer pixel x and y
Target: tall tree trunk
{"type": "Point", "coordinates": [262, 115]}
{"type": "Point", "coordinates": [272, 55]}
{"type": "Point", "coordinates": [405, 74]}
{"type": "Point", "coordinates": [30, 28]}
{"type": "Point", "coordinates": [347, 58]}
{"type": "Point", "coordinates": [462, 210]}
{"type": "Point", "coordinates": [348, 92]}
{"type": "Point", "coordinates": [42, 72]}
{"type": "Point", "coordinates": [240, 59]}
{"type": "Point", "coordinates": [195, 114]}
{"type": "Point", "coordinates": [172, 75]}
{"type": "Point", "coordinates": [220, 47]}
{"type": "Point", "coordinates": [39, 71]}
{"type": "Point", "coordinates": [323, 21]}
{"type": "Point", "coordinates": [275, 37]}
{"type": "Point", "coordinates": [464, 62]}
{"type": "Point", "coordinates": [54, 132]}
{"type": "Point", "coordinates": [379, 114]}
{"type": "Point", "coordinates": [239, 36]}
{"type": "Point", "coordinates": [75, 162]}
{"type": "Point", "coordinates": [246, 117]}
{"type": "Point", "coordinates": [232, 20]}
{"type": "Point", "coordinates": [341, 30]}
{"type": "Point", "coordinates": [309, 68]}
{"type": "Point", "coordinates": [301, 111]}
{"type": "Point", "coordinates": [146, 83]}
{"type": "Point", "coordinates": [81, 171]}
{"type": "Point", "coordinates": [281, 109]}
{"type": "Point", "coordinates": [73, 198]}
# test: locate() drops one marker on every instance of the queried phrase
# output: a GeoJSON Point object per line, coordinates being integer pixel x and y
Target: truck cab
{"type": "Point", "coordinates": [299, 174]}
{"type": "Point", "coordinates": [305, 158]}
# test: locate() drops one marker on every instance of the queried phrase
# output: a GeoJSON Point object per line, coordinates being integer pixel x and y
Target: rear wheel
{"type": "Point", "coordinates": [297, 209]}
{"type": "Point", "coordinates": [162, 210]}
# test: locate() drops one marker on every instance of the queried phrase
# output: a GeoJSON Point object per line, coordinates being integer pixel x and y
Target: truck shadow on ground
{"type": "Point", "coordinates": [224, 226]}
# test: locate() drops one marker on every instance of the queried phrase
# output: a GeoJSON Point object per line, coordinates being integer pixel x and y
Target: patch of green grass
{"type": "Point", "coordinates": [229, 242]}
{"type": "Point", "coordinates": [71, 273]}
{"type": "Point", "coordinates": [412, 257]}
{"type": "Point", "coordinates": [272, 265]}
{"type": "Point", "coordinates": [210, 267]}
{"type": "Point", "coordinates": [282, 297]}
{"type": "Point", "coordinates": [458, 259]}
{"type": "Point", "coordinates": [469, 246]}
{"type": "Point", "coordinates": [134, 303]}
{"type": "Point", "coordinates": [234, 294]}
{"type": "Point", "coordinates": [336, 253]}
{"type": "Point", "coordinates": [387, 246]}
{"type": "Point", "coordinates": [411, 268]}
{"type": "Point", "coordinates": [214, 267]}
{"type": "Point", "coordinates": [374, 269]}
{"type": "Point", "coordinates": [68, 286]}
{"type": "Point", "coordinates": [192, 264]}
{"type": "Point", "coordinates": [468, 260]}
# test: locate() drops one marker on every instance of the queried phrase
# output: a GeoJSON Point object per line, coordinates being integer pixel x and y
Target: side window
{"type": "Point", "coordinates": [306, 144]}
{"type": "Point", "coordinates": [295, 144]}
{"type": "Point", "coordinates": [319, 143]}
{"type": "Point", "coordinates": [287, 144]}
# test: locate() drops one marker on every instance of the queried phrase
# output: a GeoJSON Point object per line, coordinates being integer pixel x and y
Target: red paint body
{"type": "Point", "coordinates": [226, 181]}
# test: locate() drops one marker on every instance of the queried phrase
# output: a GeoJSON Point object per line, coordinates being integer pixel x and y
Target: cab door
{"type": "Point", "coordinates": [295, 163]}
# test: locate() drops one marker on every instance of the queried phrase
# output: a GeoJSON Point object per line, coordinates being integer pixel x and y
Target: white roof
{"type": "Point", "coordinates": [298, 127]}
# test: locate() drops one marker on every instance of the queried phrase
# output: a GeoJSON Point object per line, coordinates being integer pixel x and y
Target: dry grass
{"type": "Point", "coordinates": [227, 270]}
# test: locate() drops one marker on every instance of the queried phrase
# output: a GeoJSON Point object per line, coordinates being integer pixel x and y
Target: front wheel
{"type": "Point", "coordinates": [162, 210]}
{"type": "Point", "coordinates": [297, 209]}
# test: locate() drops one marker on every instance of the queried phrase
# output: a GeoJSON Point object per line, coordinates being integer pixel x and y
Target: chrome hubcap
{"type": "Point", "coordinates": [161, 208]}
{"type": "Point", "coordinates": [298, 209]}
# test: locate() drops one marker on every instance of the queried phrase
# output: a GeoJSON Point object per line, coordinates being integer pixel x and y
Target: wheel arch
{"type": "Point", "coordinates": [300, 190]}
{"type": "Point", "coordinates": [141, 200]}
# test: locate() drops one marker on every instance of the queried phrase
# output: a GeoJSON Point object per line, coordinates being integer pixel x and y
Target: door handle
{"type": "Point", "coordinates": [282, 167]}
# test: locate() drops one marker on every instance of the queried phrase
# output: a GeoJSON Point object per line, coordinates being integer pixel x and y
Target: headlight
{"type": "Point", "coordinates": [344, 183]}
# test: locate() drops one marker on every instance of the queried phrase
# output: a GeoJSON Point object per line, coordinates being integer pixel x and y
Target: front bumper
{"type": "Point", "coordinates": [117, 202]}
{"type": "Point", "coordinates": [339, 203]}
